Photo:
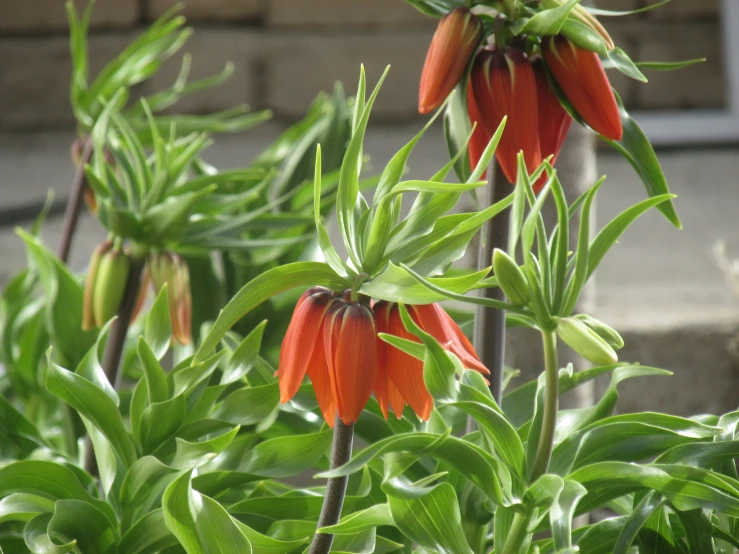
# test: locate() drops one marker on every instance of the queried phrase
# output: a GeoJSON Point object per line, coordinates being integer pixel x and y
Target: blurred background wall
{"type": "Point", "coordinates": [285, 51]}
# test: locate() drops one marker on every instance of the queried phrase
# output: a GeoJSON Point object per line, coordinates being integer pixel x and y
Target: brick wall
{"type": "Point", "coordinates": [285, 51]}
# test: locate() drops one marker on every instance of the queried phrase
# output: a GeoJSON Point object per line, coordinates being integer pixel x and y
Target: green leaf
{"type": "Point", "coordinates": [242, 359]}
{"type": "Point", "coordinates": [669, 66]}
{"type": "Point", "coordinates": [642, 512]}
{"type": "Point", "coordinates": [286, 456]}
{"type": "Point", "coordinates": [249, 405]}
{"type": "Point", "coordinates": [439, 371]}
{"type": "Point", "coordinates": [324, 241]}
{"type": "Point", "coordinates": [457, 132]}
{"type": "Point", "coordinates": [623, 63]}
{"type": "Point", "coordinates": [432, 521]}
{"type": "Point", "coordinates": [148, 535]}
{"type": "Point", "coordinates": [190, 455]}
{"type": "Point", "coordinates": [545, 22]}
{"type": "Point", "coordinates": [201, 524]}
{"type": "Point", "coordinates": [95, 405]}
{"type": "Point", "coordinates": [64, 302]}
{"type": "Point", "coordinates": [376, 516]}
{"type": "Point", "coordinates": [614, 479]}
{"type": "Point", "coordinates": [638, 151]}
{"type": "Point", "coordinates": [85, 524]}
{"type": "Point", "coordinates": [143, 483]}
{"type": "Point", "coordinates": [160, 421]}
{"type": "Point", "coordinates": [158, 328]}
{"type": "Point", "coordinates": [610, 234]}
{"type": "Point", "coordinates": [48, 480]}
{"type": "Point", "coordinates": [261, 289]}
{"type": "Point", "coordinates": [563, 511]}
{"type": "Point", "coordinates": [37, 537]}
{"type": "Point", "coordinates": [23, 507]}
{"type": "Point", "coordinates": [602, 12]}
{"type": "Point", "coordinates": [156, 380]}
{"type": "Point", "coordinates": [396, 284]}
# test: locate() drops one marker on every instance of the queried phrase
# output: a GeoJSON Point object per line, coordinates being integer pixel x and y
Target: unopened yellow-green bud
{"type": "Point", "coordinates": [88, 315]}
{"type": "Point", "coordinates": [585, 342]}
{"type": "Point", "coordinates": [511, 279]}
{"type": "Point", "coordinates": [110, 284]}
{"type": "Point", "coordinates": [606, 332]}
{"type": "Point", "coordinates": [171, 269]}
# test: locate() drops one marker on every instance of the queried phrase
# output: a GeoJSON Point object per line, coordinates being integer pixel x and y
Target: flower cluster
{"type": "Point", "coordinates": [522, 81]}
{"type": "Point", "coordinates": [335, 342]}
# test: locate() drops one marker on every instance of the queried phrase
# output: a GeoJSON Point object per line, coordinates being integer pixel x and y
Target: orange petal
{"type": "Point", "coordinates": [454, 42]}
{"type": "Point", "coordinates": [504, 85]}
{"type": "Point", "coordinates": [582, 78]}
{"type": "Point", "coordinates": [406, 372]}
{"type": "Point", "coordinates": [554, 121]}
{"type": "Point", "coordinates": [321, 381]}
{"type": "Point", "coordinates": [382, 312]}
{"type": "Point", "coordinates": [300, 340]}
{"type": "Point", "coordinates": [354, 360]}
{"type": "Point", "coordinates": [480, 137]}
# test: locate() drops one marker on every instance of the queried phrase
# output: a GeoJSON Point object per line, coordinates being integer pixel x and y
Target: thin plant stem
{"type": "Point", "coordinates": [116, 341]}
{"type": "Point", "coordinates": [551, 405]}
{"type": "Point", "coordinates": [341, 453]}
{"type": "Point", "coordinates": [74, 204]}
{"type": "Point", "coordinates": [490, 323]}
{"type": "Point", "coordinates": [517, 534]}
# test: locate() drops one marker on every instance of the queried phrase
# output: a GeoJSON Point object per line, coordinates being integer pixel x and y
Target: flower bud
{"type": "Point", "coordinates": [88, 315]}
{"type": "Point", "coordinates": [454, 42]}
{"type": "Point", "coordinates": [581, 76]}
{"type": "Point", "coordinates": [171, 269]}
{"type": "Point", "coordinates": [511, 279]}
{"type": "Point", "coordinates": [110, 284]}
{"type": "Point", "coordinates": [503, 84]}
{"type": "Point", "coordinates": [585, 342]}
{"type": "Point", "coordinates": [606, 332]}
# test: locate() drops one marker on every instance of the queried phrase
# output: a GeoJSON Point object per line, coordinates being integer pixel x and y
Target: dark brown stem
{"type": "Point", "coordinates": [341, 453]}
{"type": "Point", "coordinates": [72, 214]}
{"type": "Point", "coordinates": [116, 341]}
{"type": "Point", "coordinates": [490, 331]}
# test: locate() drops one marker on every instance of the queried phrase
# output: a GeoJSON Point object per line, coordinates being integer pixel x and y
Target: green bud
{"type": "Point", "coordinates": [511, 279]}
{"type": "Point", "coordinates": [585, 342]}
{"type": "Point", "coordinates": [584, 36]}
{"type": "Point", "coordinates": [88, 316]}
{"type": "Point", "coordinates": [110, 284]}
{"type": "Point", "coordinates": [606, 332]}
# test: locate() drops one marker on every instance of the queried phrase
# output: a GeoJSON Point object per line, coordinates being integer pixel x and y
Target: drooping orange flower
{"type": "Point", "coordinates": [480, 137]}
{"type": "Point", "coordinates": [503, 84]}
{"type": "Point", "coordinates": [581, 76]}
{"type": "Point", "coordinates": [171, 269]}
{"type": "Point", "coordinates": [404, 373]}
{"type": "Point", "coordinates": [452, 46]}
{"type": "Point", "coordinates": [334, 342]}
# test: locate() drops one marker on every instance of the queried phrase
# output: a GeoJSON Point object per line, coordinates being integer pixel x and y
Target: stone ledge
{"type": "Point", "coordinates": [226, 11]}
{"type": "Point", "coordinates": [36, 16]}
{"type": "Point", "coordinates": [343, 13]}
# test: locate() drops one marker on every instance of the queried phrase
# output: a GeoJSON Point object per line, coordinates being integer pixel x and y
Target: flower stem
{"type": "Point", "coordinates": [72, 214]}
{"type": "Point", "coordinates": [341, 452]}
{"type": "Point", "coordinates": [551, 405]}
{"type": "Point", "coordinates": [490, 330]}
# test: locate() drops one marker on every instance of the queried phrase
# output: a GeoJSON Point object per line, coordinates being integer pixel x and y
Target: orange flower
{"type": "Point", "coordinates": [584, 81]}
{"type": "Point", "coordinates": [403, 374]}
{"type": "Point", "coordinates": [480, 137]}
{"type": "Point", "coordinates": [452, 46]}
{"type": "Point", "coordinates": [503, 84]}
{"type": "Point", "coordinates": [334, 342]}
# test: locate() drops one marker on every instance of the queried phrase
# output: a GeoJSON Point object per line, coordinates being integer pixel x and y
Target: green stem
{"type": "Point", "coordinates": [516, 535]}
{"type": "Point", "coordinates": [551, 405]}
